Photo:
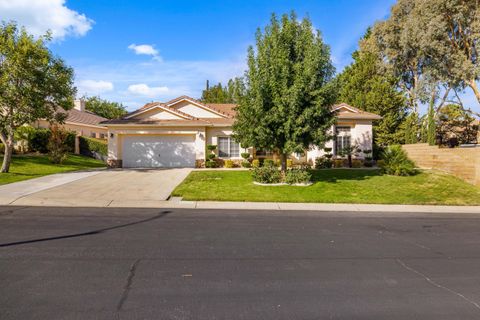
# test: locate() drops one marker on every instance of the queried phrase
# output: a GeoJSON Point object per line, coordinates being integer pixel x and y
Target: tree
{"type": "Point", "coordinates": [227, 94]}
{"type": "Point", "coordinates": [33, 84]}
{"type": "Point", "coordinates": [288, 93]}
{"type": "Point", "coordinates": [104, 108]}
{"type": "Point", "coordinates": [450, 37]}
{"type": "Point", "coordinates": [365, 86]}
{"type": "Point", "coordinates": [431, 125]}
{"type": "Point", "coordinates": [455, 125]}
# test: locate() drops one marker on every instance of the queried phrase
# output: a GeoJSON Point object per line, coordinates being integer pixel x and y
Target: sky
{"type": "Point", "coordinates": [135, 52]}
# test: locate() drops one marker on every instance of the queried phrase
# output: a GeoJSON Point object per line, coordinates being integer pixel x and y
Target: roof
{"type": "Point", "coordinates": [83, 117]}
{"type": "Point", "coordinates": [355, 113]}
{"type": "Point", "coordinates": [226, 109]}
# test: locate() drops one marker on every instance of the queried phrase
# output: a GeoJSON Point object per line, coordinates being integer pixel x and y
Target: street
{"type": "Point", "coordinates": [114, 263]}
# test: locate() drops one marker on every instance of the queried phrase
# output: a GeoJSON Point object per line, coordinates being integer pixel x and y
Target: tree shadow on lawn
{"type": "Point", "coordinates": [333, 175]}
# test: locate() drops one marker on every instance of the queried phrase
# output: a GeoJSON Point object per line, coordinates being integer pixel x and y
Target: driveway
{"type": "Point", "coordinates": [115, 187]}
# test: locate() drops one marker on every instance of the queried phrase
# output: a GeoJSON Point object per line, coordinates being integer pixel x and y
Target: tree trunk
{"type": "Point", "coordinates": [7, 157]}
{"type": "Point", "coordinates": [473, 85]}
{"type": "Point", "coordinates": [349, 158]}
{"type": "Point", "coordinates": [283, 161]}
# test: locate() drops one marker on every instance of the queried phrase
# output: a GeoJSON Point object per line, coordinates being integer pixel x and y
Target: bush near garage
{"type": "Point", "coordinates": [95, 148]}
{"type": "Point", "coordinates": [37, 139]}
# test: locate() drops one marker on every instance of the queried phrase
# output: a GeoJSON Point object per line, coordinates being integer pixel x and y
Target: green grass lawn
{"type": "Point", "coordinates": [333, 186]}
{"type": "Point", "coordinates": [25, 167]}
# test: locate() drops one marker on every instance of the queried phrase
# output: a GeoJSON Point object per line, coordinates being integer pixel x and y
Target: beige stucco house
{"type": "Point", "coordinates": [176, 133]}
{"type": "Point", "coordinates": [80, 121]}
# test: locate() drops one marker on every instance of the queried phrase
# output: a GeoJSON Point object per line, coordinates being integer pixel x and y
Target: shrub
{"type": "Point", "coordinates": [2, 148]}
{"type": "Point", "coordinates": [338, 163]}
{"type": "Point", "coordinates": [245, 155]}
{"type": "Point", "coordinates": [356, 163]}
{"type": "Point", "coordinates": [396, 162]}
{"type": "Point", "coordinates": [246, 164]}
{"type": "Point", "coordinates": [277, 163]}
{"type": "Point", "coordinates": [293, 176]}
{"type": "Point", "coordinates": [228, 164]}
{"type": "Point", "coordinates": [256, 163]}
{"type": "Point", "coordinates": [268, 163]}
{"type": "Point", "coordinates": [368, 163]}
{"type": "Point", "coordinates": [211, 147]}
{"type": "Point", "coordinates": [323, 163]}
{"type": "Point", "coordinates": [39, 141]}
{"type": "Point", "coordinates": [380, 163]}
{"type": "Point", "coordinates": [57, 145]}
{"type": "Point", "coordinates": [93, 147]}
{"type": "Point", "coordinates": [210, 164]}
{"type": "Point", "coordinates": [211, 156]}
{"type": "Point", "coordinates": [289, 163]}
{"type": "Point", "coordinates": [266, 174]}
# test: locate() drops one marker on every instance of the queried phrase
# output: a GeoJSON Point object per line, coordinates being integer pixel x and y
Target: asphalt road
{"type": "Point", "coordinates": [106, 263]}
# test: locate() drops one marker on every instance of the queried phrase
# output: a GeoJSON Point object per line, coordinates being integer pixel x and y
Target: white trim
{"type": "Point", "coordinates": [346, 106]}
{"type": "Point", "coordinates": [198, 104]}
{"type": "Point", "coordinates": [189, 117]}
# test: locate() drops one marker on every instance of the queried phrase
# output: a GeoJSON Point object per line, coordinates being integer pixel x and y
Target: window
{"type": "Point", "coordinates": [93, 135]}
{"type": "Point", "coordinates": [102, 136]}
{"type": "Point", "coordinates": [227, 148]}
{"type": "Point", "coordinates": [343, 138]}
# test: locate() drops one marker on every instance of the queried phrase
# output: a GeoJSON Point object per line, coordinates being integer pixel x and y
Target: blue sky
{"type": "Point", "coordinates": [139, 51]}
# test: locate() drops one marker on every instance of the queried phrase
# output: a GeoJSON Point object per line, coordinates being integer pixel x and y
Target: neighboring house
{"type": "Point", "coordinates": [81, 121]}
{"type": "Point", "coordinates": [176, 133]}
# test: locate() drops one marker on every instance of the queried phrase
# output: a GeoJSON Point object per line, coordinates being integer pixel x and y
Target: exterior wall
{"type": "Point", "coordinates": [361, 135]}
{"type": "Point", "coordinates": [215, 132]}
{"type": "Point", "coordinates": [195, 111]}
{"type": "Point", "coordinates": [81, 130]}
{"type": "Point", "coordinates": [461, 162]}
{"type": "Point", "coordinates": [116, 135]}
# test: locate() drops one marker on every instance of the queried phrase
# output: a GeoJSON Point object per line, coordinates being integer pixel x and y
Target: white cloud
{"type": "Point", "coordinates": [38, 16]}
{"type": "Point", "coordinates": [143, 89]}
{"type": "Point", "coordinates": [145, 49]}
{"type": "Point", "coordinates": [133, 80]}
{"type": "Point", "coordinates": [89, 87]}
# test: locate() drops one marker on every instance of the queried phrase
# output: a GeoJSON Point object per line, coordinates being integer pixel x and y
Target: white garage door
{"type": "Point", "coordinates": [158, 151]}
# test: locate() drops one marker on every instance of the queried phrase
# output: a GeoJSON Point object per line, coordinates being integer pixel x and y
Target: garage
{"type": "Point", "coordinates": [158, 151]}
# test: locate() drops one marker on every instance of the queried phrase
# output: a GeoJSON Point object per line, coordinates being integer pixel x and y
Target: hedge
{"type": "Point", "coordinates": [95, 148]}
{"type": "Point", "coordinates": [37, 139]}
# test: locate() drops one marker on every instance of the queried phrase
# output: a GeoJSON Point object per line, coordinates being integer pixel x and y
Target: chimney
{"type": "Point", "coordinates": [79, 104]}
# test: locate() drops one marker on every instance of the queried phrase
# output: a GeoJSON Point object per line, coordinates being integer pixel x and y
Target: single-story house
{"type": "Point", "coordinates": [176, 133]}
{"type": "Point", "coordinates": [80, 121]}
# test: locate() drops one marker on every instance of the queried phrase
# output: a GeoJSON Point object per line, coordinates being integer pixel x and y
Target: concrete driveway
{"type": "Point", "coordinates": [115, 187]}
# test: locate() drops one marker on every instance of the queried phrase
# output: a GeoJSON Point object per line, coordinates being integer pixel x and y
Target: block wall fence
{"type": "Point", "coordinates": [461, 162]}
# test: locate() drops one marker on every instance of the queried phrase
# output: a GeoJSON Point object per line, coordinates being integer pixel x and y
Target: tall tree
{"type": "Point", "coordinates": [33, 84]}
{"type": "Point", "coordinates": [220, 94]}
{"type": "Point", "coordinates": [365, 86]}
{"type": "Point", "coordinates": [288, 95]}
{"type": "Point", "coordinates": [450, 37]}
{"type": "Point", "coordinates": [104, 108]}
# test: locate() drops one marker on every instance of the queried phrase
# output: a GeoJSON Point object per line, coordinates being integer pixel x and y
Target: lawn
{"type": "Point", "coordinates": [333, 186]}
{"type": "Point", "coordinates": [34, 166]}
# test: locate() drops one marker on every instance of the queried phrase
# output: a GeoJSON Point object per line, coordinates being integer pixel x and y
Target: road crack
{"type": "Point", "coordinates": [436, 284]}
{"type": "Point", "coordinates": [128, 285]}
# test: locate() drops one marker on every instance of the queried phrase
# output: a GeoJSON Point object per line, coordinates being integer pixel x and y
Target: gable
{"type": "Point", "coordinates": [194, 110]}
{"type": "Point", "coordinates": [343, 108]}
{"type": "Point", "coordinates": [157, 114]}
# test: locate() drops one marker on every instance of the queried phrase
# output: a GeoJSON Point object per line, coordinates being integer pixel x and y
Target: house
{"type": "Point", "coordinates": [81, 121]}
{"type": "Point", "coordinates": [176, 133]}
